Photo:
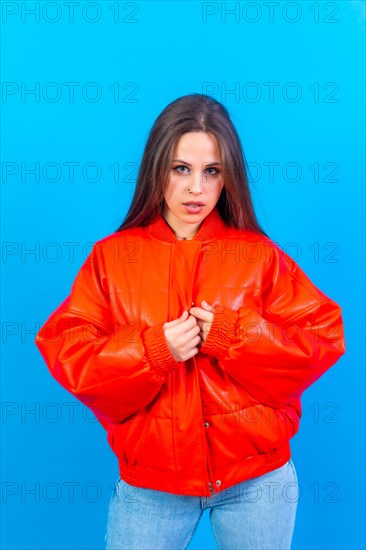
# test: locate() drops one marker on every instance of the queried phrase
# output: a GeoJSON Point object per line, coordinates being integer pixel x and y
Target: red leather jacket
{"type": "Point", "coordinates": [225, 415]}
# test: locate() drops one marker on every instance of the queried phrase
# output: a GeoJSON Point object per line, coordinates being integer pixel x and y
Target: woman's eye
{"type": "Point", "coordinates": [180, 166]}
{"type": "Point", "coordinates": [216, 171]}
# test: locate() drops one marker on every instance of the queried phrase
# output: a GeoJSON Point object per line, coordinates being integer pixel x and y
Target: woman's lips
{"type": "Point", "coordinates": [193, 209]}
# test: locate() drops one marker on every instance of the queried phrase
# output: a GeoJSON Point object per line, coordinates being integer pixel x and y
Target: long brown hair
{"type": "Point", "coordinates": [192, 113]}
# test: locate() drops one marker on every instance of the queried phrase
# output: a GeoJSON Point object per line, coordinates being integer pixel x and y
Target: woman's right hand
{"type": "Point", "coordinates": [182, 336]}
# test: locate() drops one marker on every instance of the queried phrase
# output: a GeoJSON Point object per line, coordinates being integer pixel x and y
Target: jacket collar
{"type": "Point", "coordinates": [211, 227]}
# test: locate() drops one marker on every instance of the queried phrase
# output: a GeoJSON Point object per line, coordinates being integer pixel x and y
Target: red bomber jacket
{"type": "Point", "coordinates": [225, 415]}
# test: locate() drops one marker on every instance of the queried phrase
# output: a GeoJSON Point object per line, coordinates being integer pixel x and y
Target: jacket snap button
{"type": "Point", "coordinates": [206, 424]}
{"type": "Point", "coordinates": [218, 482]}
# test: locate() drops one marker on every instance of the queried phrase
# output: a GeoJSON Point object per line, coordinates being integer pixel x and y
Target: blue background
{"type": "Point", "coordinates": [156, 52]}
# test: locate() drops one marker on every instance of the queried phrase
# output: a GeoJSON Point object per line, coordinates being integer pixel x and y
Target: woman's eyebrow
{"type": "Point", "coordinates": [185, 162]}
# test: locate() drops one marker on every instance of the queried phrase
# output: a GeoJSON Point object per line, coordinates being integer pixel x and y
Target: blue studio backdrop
{"type": "Point", "coordinates": [82, 84]}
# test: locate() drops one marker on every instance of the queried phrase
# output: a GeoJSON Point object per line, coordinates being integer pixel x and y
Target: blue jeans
{"type": "Point", "coordinates": [257, 514]}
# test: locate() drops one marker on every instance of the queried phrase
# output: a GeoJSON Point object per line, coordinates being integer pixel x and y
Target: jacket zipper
{"type": "Point", "coordinates": [205, 442]}
{"type": "Point", "coordinates": [212, 491]}
{"type": "Point", "coordinates": [206, 451]}
{"type": "Point", "coordinates": [173, 374]}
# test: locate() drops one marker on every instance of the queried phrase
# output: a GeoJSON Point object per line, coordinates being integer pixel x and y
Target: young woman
{"type": "Point", "coordinates": [191, 335]}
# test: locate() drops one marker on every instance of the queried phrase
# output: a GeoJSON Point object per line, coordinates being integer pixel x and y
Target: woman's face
{"type": "Point", "coordinates": [196, 166]}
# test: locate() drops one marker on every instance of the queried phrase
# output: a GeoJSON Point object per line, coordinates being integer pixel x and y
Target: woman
{"type": "Point", "coordinates": [192, 336]}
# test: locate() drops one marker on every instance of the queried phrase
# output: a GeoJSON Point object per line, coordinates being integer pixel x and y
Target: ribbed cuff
{"type": "Point", "coordinates": [222, 332]}
{"type": "Point", "coordinates": [157, 351]}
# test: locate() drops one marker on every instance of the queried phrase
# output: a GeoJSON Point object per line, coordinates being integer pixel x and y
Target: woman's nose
{"type": "Point", "coordinates": [195, 185]}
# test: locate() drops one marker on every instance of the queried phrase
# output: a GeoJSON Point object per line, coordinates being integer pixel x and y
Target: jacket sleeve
{"type": "Point", "coordinates": [110, 368]}
{"type": "Point", "coordinates": [277, 353]}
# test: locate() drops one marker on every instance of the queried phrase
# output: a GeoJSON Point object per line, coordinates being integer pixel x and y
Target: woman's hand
{"type": "Point", "coordinates": [204, 316]}
{"type": "Point", "coordinates": [182, 336]}
{"type": "Point", "coordinates": [187, 334]}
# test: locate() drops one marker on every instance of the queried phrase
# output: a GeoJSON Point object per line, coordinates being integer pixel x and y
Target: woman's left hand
{"type": "Point", "coordinates": [204, 316]}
